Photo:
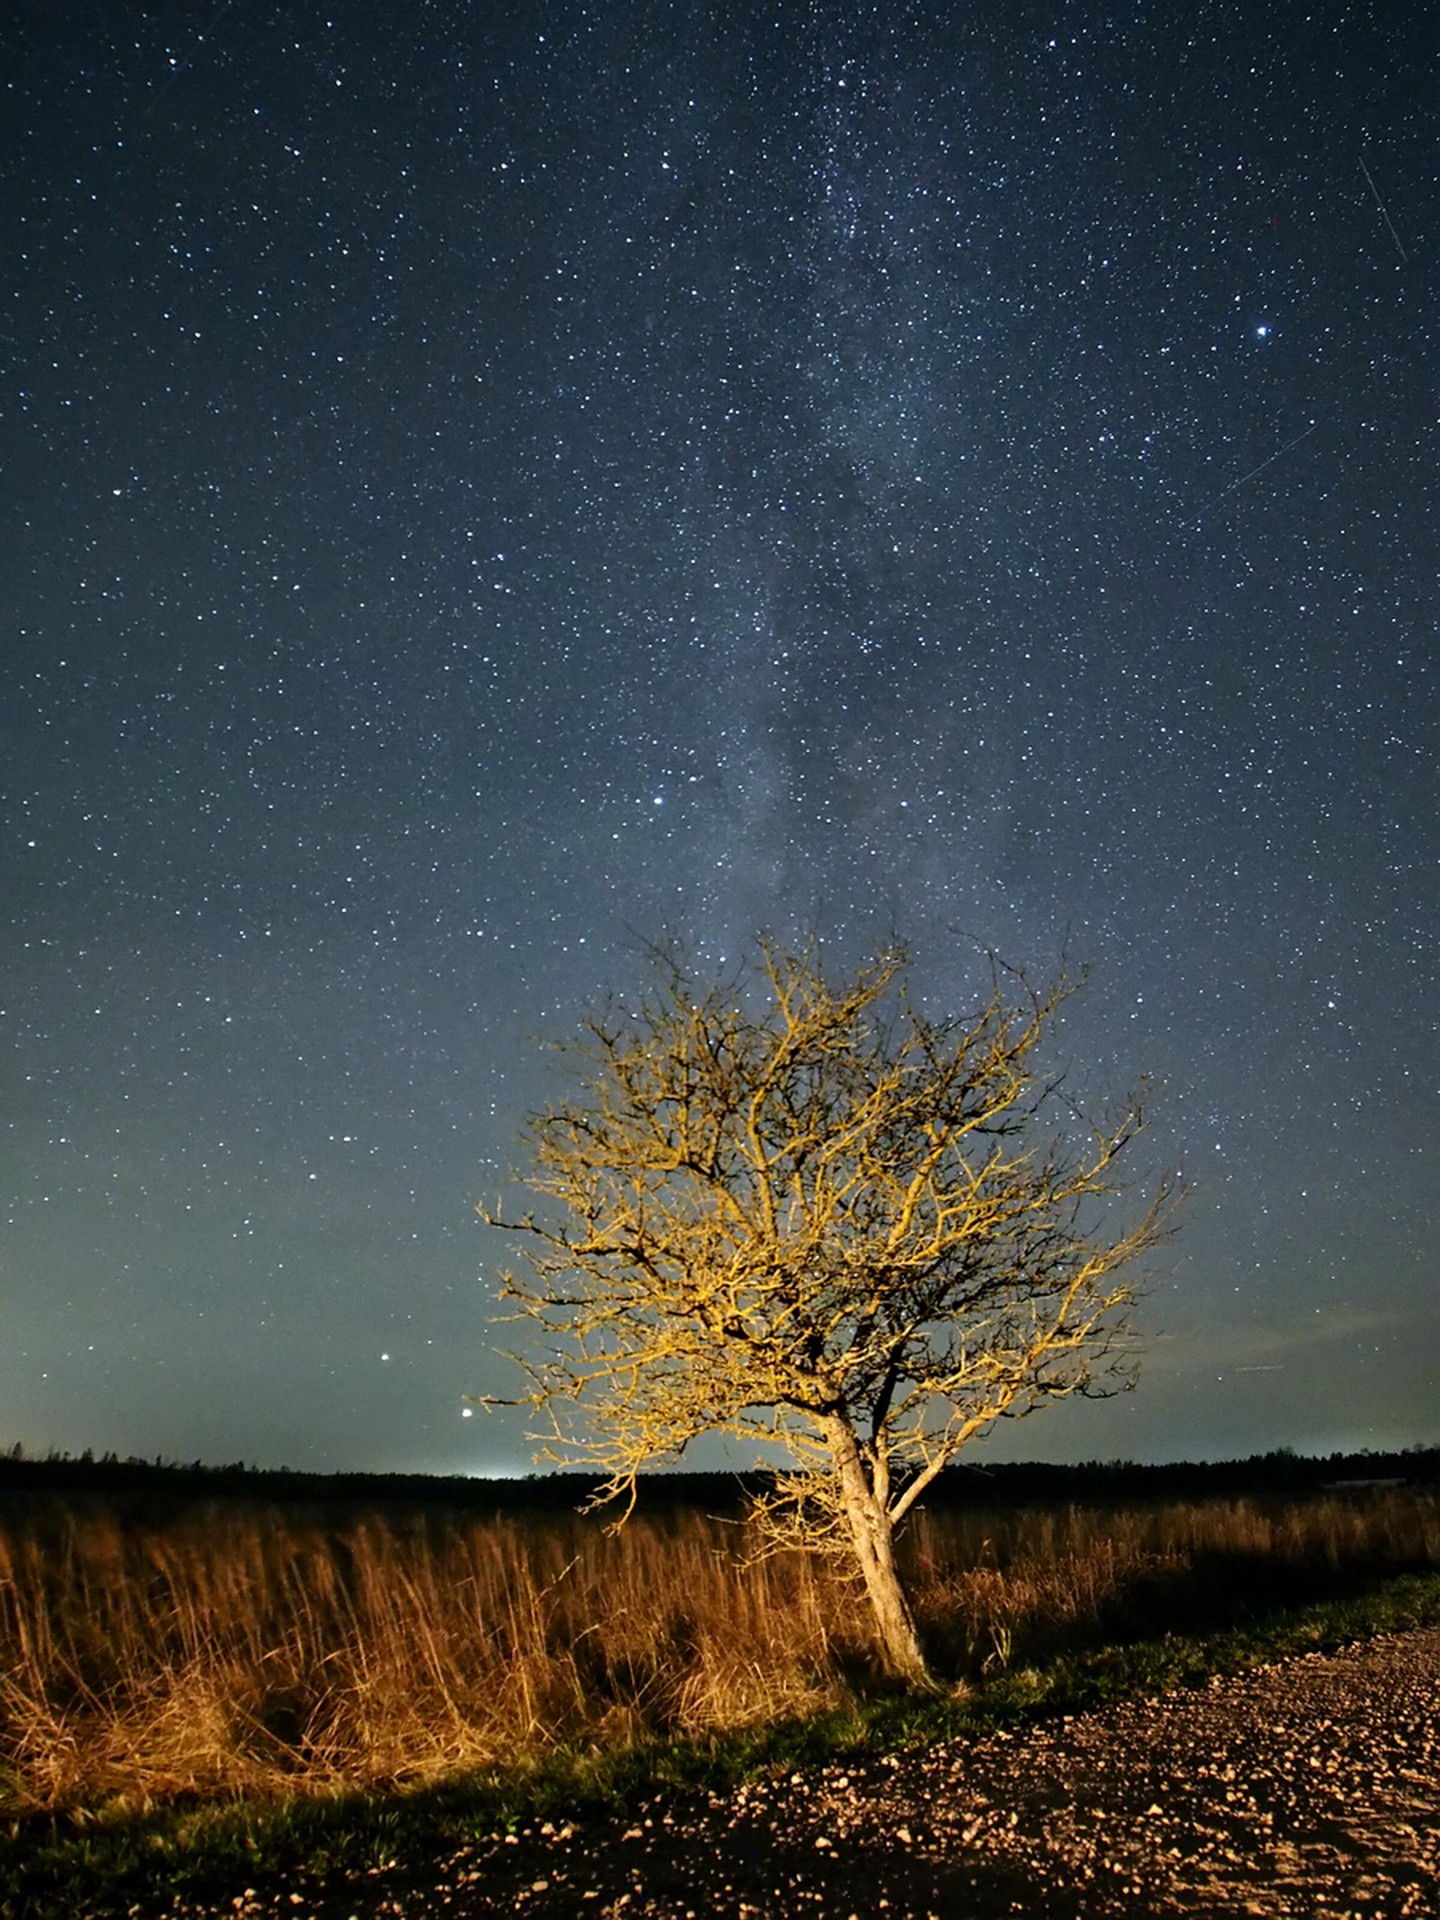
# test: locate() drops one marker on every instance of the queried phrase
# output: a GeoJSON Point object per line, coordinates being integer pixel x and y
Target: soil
{"type": "Point", "coordinates": [1308, 1788]}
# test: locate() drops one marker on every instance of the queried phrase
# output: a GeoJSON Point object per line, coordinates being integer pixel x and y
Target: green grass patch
{"type": "Point", "coordinates": [112, 1860]}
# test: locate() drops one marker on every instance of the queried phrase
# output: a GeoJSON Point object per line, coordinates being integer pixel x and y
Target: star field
{"type": "Point", "coordinates": [482, 492]}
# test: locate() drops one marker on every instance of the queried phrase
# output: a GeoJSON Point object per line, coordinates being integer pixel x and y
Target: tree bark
{"type": "Point", "coordinates": [872, 1533]}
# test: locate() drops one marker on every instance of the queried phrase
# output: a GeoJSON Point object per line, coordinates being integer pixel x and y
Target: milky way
{"type": "Point", "coordinates": [481, 494]}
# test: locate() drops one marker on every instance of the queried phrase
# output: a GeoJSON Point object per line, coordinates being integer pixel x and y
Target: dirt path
{"type": "Point", "coordinates": [1310, 1788]}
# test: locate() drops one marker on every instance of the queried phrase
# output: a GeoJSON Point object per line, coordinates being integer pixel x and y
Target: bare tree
{"type": "Point", "coordinates": [811, 1216]}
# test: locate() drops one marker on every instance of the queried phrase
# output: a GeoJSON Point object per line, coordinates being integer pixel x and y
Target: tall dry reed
{"type": "Point", "coordinates": [240, 1648]}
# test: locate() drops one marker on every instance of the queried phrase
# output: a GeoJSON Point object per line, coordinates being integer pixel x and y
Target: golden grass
{"type": "Point", "coordinates": [239, 1648]}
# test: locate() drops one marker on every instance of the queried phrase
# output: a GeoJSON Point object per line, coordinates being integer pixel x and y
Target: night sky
{"type": "Point", "coordinates": [486, 485]}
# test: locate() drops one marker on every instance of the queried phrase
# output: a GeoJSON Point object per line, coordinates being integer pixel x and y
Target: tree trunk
{"type": "Point", "coordinates": [872, 1534]}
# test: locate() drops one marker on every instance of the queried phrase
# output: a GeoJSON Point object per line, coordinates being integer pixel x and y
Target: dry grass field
{"type": "Point", "coordinates": [245, 1649]}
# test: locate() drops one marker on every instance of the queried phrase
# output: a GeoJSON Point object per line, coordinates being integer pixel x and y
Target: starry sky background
{"type": "Point", "coordinates": [483, 486]}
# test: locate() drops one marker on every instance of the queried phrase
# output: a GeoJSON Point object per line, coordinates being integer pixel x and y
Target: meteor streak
{"type": "Point", "coordinates": [1384, 210]}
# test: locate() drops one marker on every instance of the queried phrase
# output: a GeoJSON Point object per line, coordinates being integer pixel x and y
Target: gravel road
{"type": "Point", "coordinates": [1309, 1788]}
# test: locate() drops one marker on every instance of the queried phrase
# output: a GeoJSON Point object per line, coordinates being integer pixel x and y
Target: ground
{"type": "Point", "coordinates": [1310, 1788]}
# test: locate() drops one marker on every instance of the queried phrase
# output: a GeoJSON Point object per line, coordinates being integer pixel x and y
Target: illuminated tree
{"type": "Point", "coordinates": [810, 1215]}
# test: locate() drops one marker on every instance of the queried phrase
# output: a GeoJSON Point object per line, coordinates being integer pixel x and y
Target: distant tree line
{"type": "Point", "coordinates": [1279, 1474]}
